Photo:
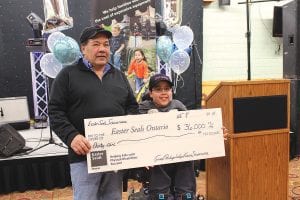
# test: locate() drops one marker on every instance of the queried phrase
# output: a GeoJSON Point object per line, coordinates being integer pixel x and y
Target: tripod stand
{"type": "Point", "coordinates": [248, 33]}
{"type": "Point", "coordinates": [51, 139]}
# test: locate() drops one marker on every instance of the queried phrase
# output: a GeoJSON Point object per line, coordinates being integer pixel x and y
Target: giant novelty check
{"type": "Point", "coordinates": [152, 139]}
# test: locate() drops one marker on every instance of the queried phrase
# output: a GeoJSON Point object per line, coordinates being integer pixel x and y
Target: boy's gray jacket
{"type": "Point", "coordinates": [147, 105]}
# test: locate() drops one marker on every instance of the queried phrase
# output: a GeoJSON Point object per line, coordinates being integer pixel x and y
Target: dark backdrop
{"type": "Point", "coordinates": [190, 94]}
{"type": "Point", "coordinates": [15, 70]}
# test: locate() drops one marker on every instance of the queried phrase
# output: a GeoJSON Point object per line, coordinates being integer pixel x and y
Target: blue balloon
{"type": "Point", "coordinates": [164, 48]}
{"type": "Point", "coordinates": [54, 37]}
{"type": "Point", "coordinates": [66, 51]}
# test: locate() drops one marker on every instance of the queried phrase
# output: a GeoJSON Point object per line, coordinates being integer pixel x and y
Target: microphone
{"type": "Point", "coordinates": [1, 111]}
{"type": "Point", "coordinates": [151, 111]}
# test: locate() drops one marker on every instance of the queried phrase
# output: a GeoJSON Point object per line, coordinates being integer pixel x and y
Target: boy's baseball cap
{"type": "Point", "coordinates": [155, 79]}
{"type": "Point", "coordinates": [91, 31]}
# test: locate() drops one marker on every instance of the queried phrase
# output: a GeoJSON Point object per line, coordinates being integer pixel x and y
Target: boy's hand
{"type": "Point", "coordinates": [225, 133]}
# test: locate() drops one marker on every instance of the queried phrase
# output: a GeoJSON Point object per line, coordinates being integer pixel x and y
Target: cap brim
{"type": "Point", "coordinates": [157, 82]}
{"type": "Point", "coordinates": [88, 36]}
{"type": "Point", "coordinates": [104, 32]}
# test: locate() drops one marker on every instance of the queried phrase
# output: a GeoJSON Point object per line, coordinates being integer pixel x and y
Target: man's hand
{"type": "Point", "coordinates": [80, 145]}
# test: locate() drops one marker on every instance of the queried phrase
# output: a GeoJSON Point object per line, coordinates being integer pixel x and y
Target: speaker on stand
{"type": "Point", "coordinates": [291, 67]}
{"type": "Point", "coordinates": [295, 118]}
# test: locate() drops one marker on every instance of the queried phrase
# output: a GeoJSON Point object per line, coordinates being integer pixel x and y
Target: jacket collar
{"type": "Point", "coordinates": [86, 66]}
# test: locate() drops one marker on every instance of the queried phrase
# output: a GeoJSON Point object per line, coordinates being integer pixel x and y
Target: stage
{"type": "Point", "coordinates": [45, 168]}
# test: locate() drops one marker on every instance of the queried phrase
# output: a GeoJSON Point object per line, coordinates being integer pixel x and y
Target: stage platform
{"type": "Point", "coordinates": [45, 168]}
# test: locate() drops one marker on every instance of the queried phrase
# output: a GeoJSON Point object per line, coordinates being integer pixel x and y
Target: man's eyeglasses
{"type": "Point", "coordinates": [161, 90]}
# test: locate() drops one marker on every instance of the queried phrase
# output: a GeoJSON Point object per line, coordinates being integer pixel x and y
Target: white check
{"type": "Point", "coordinates": [152, 139]}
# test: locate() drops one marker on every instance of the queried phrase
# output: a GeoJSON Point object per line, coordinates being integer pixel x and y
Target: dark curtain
{"type": "Point", "coordinates": [34, 174]}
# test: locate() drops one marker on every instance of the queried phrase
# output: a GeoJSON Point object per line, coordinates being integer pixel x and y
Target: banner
{"type": "Point", "coordinates": [132, 24]}
{"type": "Point", "coordinates": [105, 11]}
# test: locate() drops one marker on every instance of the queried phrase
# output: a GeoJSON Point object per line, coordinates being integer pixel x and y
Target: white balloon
{"type": "Point", "coordinates": [179, 61]}
{"type": "Point", "coordinates": [50, 66]}
{"type": "Point", "coordinates": [183, 37]}
{"type": "Point", "coordinates": [54, 37]}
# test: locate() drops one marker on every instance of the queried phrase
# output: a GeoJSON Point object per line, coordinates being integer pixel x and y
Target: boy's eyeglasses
{"type": "Point", "coordinates": [161, 90]}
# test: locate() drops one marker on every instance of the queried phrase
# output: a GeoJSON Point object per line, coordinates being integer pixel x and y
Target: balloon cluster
{"type": "Point", "coordinates": [64, 51]}
{"type": "Point", "coordinates": [177, 58]}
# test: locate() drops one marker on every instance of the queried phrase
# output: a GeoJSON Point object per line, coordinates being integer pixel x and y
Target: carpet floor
{"type": "Point", "coordinates": [66, 193]}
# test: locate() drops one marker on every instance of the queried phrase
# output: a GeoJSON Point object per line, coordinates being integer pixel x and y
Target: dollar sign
{"type": "Point", "coordinates": [178, 127]}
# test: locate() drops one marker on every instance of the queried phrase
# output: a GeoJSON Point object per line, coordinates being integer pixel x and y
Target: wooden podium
{"type": "Point", "coordinates": [256, 113]}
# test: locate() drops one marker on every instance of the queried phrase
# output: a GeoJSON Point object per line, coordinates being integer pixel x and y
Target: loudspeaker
{"type": "Point", "coordinates": [224, 2]}
{"type": "Point", "coordinates": [290, 42]}
{"type": "Point", "coordinates": [295, 118]}
{"type": "Point", "coordinates": [291, 67]}
{"type": "Point", "coordinates": [10, 140]}
{"type": "Point", "coordinates": [277, 21]}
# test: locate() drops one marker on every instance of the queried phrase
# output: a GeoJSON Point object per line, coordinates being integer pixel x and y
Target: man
{"type": "Point", "coordinates": [91, 88]}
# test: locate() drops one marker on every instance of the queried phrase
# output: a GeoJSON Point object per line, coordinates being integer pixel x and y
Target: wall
{"type": "Point", "coordinates": [225, 43]}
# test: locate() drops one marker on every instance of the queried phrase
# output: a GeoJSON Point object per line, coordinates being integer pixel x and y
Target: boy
{"type": "Point", "coordinates": [117, 44]}
{"type": "Point", "coordinates": [170, 181]}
